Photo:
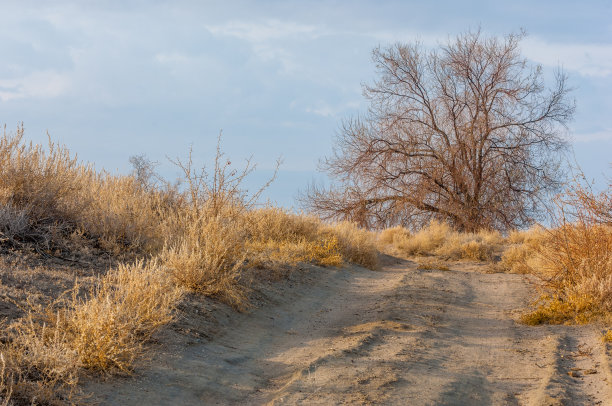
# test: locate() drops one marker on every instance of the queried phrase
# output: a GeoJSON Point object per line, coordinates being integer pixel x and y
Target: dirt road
{"type": "Point", "coordinates": [400, 336]}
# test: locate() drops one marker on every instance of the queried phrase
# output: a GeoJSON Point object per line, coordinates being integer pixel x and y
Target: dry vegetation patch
{"type": "Point", "coordinates": [574, 258]}
{"type": "Point", "coordinates": [439, 239]}
{"type": "Point", "coordinates": [162, 241]}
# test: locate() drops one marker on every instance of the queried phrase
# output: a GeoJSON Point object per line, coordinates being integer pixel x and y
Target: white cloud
{"type": "Point", "coordinates": [258, 32]}
{"type": "Point", "coordinates": [587, 59]}
{"type": "Point", "coordinates": [37, 85]}
{"type": "Point", "coordinates": [266, 38]}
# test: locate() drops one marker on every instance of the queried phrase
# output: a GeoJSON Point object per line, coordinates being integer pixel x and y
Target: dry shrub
{"type": "Point", "coordinates": [208, 253]}
{"type": "Point", "coordinates": [39, 365]}
{"type": "Point", "coordinates": [277, 237]}
{"type": "Point", "coordinates": [276, 255]}
{"type": "Point", "coordinates": [435, 264]}
{"type": "Point", "coordinates": [108, 328]}
{"type": "Point", "coordinates": [205, 245]}
{"type": "Point", "coordinates": [521, 255]}
{"type": "Point", "coordinates": [426, 240]}
{"type": "Point", "coordinates": [576, 259]}
{"type": "Point", "coordinates": [394, 235]}
{"type": "Point", "coordinates": [47, 195]}
{"type": "Point", "coordinates": [276, 224]}
{"type": "Point", "coordinates": [476, 250]}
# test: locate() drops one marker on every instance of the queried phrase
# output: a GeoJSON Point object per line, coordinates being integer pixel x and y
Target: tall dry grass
{"type": "Point", "coordinates": [278, 237]}
{"type": "Point", "coordinates": [441, 240]}
{"type": "Point", "coordinates": [105, 330]}
{"type": "Point", "coordinates": [48, 197]}
{"type": "Point", "coordinates": [575, 259]}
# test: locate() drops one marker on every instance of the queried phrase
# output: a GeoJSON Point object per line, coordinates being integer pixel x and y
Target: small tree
{"type": "Point", "coordinates": [466, 133]}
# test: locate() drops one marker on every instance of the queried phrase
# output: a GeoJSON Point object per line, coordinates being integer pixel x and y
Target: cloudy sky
{"type": "Point", "coordinates": [111, 79]}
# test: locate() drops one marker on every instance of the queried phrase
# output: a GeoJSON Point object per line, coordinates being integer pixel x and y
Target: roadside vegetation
{"type": "Point", "coordinates": [139, 244]}
{"type": "Point", "coordinates": [574, 258]}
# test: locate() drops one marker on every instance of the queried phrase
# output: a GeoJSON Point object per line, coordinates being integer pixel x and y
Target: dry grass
{"type": "Point", "coordinates": [207, 254]}
{"type": "Point", "coordinates": [199, 238]}
{"type": "Point", "coordinates": [575, 260]}
{"type": "Point", "coordinates": [519, 256]}
{"type": "Point", "coordinates": [356, 245]}
{"type": "Point", "coordinates": [103, 331]}
{"type": "Point", "coordinates": [48, 197]}
{"type": "Point", "coordinates": [277, 237]}
{"type": "Point", "coordinates": [107, 329]}
{"type": "Point", "coordinates": [438, 239]}
{"type": "Point", "coordinates": [393, 236]}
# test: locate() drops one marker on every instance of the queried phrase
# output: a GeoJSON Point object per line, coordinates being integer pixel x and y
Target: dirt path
{"type": "Point", "coordinates": [397, 336]}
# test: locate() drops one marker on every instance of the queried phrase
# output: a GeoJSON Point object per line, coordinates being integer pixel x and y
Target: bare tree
{"type": "Point", "coordinates": [143, 169]}
{"type": "Point", "coordinates": [466, 133]}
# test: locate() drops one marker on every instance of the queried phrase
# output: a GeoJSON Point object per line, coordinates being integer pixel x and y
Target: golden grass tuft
{"type": "Point", "coordinates": [207, 254]}
{"type": "Point", "coordinates": [392, 236]}
{"type": "Point", "coordinates": [278, 237]}
{"type": "Point", "coordinates": [355, 244]}
{"type": "Point", "coordinates": [108, 328]}
{"type": "Point", "coordinates": [103, 331]}
{"type": "Point", "coordinates": [520, 256]}
{"type": "Point", "coordinates": [575, 259]}
{"type": "Point", "coordinates": [438, 239]}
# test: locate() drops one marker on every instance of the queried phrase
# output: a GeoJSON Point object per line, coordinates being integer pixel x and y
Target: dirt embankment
{"type": "Point", "coordinates": [396, 336]}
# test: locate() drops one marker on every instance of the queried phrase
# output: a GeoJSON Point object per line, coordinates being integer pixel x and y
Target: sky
{"type": "Point", "coordinates": [113, 79]}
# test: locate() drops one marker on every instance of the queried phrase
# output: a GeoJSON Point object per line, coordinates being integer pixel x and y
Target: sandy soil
{"type": "Point", "coordinates": [353, 336]}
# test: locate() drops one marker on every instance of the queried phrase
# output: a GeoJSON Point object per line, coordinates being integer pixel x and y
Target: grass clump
{"type": "Point", "coordinates": [207, 255]}
{"type": "Point", "coordinates": [108, 328]}
{"type": "Point", "coordinates": [575, 259]}
{"type": "Point", "coordinates": [393, 236]}
{"type": "Point", "coordinates": [355, 244]}
{"type": "Point", "coordinates": [104, 331]}
{"type": "Point", "coordinates": [519, 256]}
{"type": "Point", "coordinates": [439, 239]}
{"type": "Point", "coordinates": [277, 237]}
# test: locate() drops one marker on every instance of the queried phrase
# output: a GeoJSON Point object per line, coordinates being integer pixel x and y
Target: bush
{"type": "Point", "coordinates": [575, 258]}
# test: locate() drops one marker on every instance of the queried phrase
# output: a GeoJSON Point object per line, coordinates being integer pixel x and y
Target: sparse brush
{"type": "Point", "coordinates": [575, 258]}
